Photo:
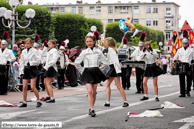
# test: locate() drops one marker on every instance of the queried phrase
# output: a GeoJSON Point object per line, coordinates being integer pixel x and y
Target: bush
{"type": "Point", "coordinates": [41, 23]}
{"type": "Point", "coordinates": [112, 30]}
{"type": "Point", "coordinates": [95, 22]}
{"type": "Point", "coordinates": [4, 3]}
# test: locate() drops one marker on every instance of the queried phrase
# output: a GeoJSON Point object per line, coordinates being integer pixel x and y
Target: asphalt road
{"type": "Point", "coordinates": [72, 110]}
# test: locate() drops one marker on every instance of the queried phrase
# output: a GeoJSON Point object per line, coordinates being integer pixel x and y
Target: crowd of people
{"type": "Point", "coordinates": [48, 63]}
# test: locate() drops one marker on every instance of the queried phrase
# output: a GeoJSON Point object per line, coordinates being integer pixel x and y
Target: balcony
{"type": "Point", "coordinates": [169, 28]}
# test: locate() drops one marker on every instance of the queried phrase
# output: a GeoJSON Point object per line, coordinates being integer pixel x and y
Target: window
{"type": "Point", "coordinates": [148, 22]}
{"type": "Point", "coordinates": [136, 21]}
{"type": "Point", "coordinates": [155, 22]}
{"type": "Point", "coordinates": [124, 10]}
{"type": "Point", "coordinates": [80, 10]}
{"type": "Point", "coordinates": [136, 9]}
{"type": "Point", "coordinates": [62, 9]}
{"type": "Point", "coordinates": [52, 9]}
{"type": "Point", "coordinates": [148, 9]}
{"type": "Point", "coordinates": [168, 10]}
{"type": "Point", "coordinates": [168, 24]}
{"type": "Point", "coordinates": [155, 9]}
{"type": "Point", "coordinates": [110, 9]}
{"type": "Point", "coordinates": [74, 10]}
{"type": "Point", "coordinates": [110, 20]}
{"type": "Point", "coordinates": [167, 36]}
{"type": "Point", "coordinates": [91, 9]}
{"type": "Point", "coordinates": [98, 10]}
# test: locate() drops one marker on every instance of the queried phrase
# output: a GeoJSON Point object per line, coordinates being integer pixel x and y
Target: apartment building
{"type": "Point", "coordinates": [162, 16]}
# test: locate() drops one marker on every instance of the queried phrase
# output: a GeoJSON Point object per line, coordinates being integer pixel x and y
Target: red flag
{"type": "Point", "coordinates": [173, 50]}
{"type": "Point", "coordinates": [191, 37]}
{"type": "Point", "coordinates": [175, 37]}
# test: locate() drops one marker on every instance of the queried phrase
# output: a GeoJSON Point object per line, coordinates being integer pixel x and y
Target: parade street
{"type": "Point", "coordinates": [72, 109]}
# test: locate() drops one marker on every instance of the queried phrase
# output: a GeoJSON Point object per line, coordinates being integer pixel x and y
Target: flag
{"type": "Point", "coordinates": [173, 50]}
{"type": "Point", "coordinates": [175, 37]}
{"type": "Point", "coordinates": [191, 37]}
{"type": "Point", "coordinates": [180, 43]}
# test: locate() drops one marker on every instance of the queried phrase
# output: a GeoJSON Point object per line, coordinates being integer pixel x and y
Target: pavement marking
{"type": "Point", "coordinates": [116, 108]}
{"type": "Point", "coordinates": [14, 114]}
{"type": "Point", "coordinates": [189, 122]}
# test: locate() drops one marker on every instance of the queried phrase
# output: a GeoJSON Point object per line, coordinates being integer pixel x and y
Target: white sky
{"type": "Point", "coordinates": [186, 10]}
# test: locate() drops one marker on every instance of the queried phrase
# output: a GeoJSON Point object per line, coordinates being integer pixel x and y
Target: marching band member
{"type": "Point", "coordinates": [39, 52]}
{"type": "Point", "coordinates": [62, 63]}
{"type": "Point", "coordinates": [6, 57]}
{"type": "Point", "coordinates": [152, 70]}
{"type": "Point", "coordinates": [50, 70]}
{"type": "Point", "coordinates": [185, 55]}
{"type": "Point", "coordinates": [114, 71]}
{"type": "Point", "coordinates": [126, 69]}
{"type": "Point", "coordinates": [29, 62]}
{"type": "Point", "coordinates": [139, 71]}
{"type": "Point", "coordinates": [91, 72]}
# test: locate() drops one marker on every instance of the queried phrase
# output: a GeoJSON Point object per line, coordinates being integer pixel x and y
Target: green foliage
{"type": "Point", "coordinates": [4, 3]}
{"type": "Point", "coordinates": [24, 33]}
{"type": "Point", "coordinates": [113, 30]}
{"type": "Point", "coordinates": [95, 22]}
{"type": "Point", "coordinates": [41, 22]}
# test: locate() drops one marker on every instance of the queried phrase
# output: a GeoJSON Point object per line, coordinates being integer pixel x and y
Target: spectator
{"type": "Point", "coordinates": [19, 54]}
{"type": "Point", "coordinates": [19, 42]}
{"type": "Point", "coordinates": [15, 49]}
{"type": "Point", "coordinates": [21, 47]}
{"type": "Point", "coordinates": [164, 63]}
{"type": "Point", "coordinates": [16, 70]}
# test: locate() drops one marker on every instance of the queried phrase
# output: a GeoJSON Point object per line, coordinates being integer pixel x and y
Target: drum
{"type": "Point", "coordinates": [184, 68]}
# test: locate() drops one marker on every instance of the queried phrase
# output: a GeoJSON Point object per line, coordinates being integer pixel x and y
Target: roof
{"type": "Point", "coordinates": [116, 4]}
{"type": "Point", "coordinates": [186, 26]}
{"type": "Point", "coordinates": [169, 42]}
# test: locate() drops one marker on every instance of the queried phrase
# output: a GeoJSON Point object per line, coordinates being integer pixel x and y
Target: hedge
{"type": "Point", "coordinates": [155, 36]}
{"type": "Point", "coordinates": [41, 23]}
{"type": "Point", "coordinates": [96, 22]}
{"type": "Point", "coordinates": [3, 3]}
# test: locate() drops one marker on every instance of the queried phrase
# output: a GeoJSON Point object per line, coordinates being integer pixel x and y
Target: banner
{"type": "Point", "coordinates": [173, 50]}
{"type": "Point", "coordinates": [175, 37]}
{"type": "Point", "coordinates": [180, 43]}
{"type": "Point", "coordinates": [191, 37]}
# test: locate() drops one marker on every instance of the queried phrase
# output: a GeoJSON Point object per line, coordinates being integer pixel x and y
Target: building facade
{"type": "Point", "coordinates": [162, 16]}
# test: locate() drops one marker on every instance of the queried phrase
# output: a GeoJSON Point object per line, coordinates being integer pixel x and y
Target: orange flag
{"type": "Point", "coordinates": [191, 37]}
{"type": "Point", "coordinates": [180, 43]}
{"type": "Point", "coordinates": [173, 50]}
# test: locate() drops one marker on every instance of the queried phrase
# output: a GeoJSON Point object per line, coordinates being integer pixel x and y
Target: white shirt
{"type": "Point", "coordinates": [44, 55]}
{"type": "Point", "coordinates": [113, 59]}
{"type": "Point", "coordinates": [164, 61]}
{"type": "Point", "coordinates": [184, 55]}
{"type": "Point", "coordinates": [6, 55]}
{"type": "Point", "coordinates": [63, 60]}
{"type": "Point", "coordinates": [30, 56]}
{"type": "Point", "coordinates": [91, 58]}
{"type": "Point", "coordinates": [51, 60]}
{"type": "Point", "coordinates": [136, 54]}
{"type": "Point", "coordinates": [149, 56]}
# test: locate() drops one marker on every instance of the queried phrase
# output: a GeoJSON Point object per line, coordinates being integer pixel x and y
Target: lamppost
{"type": "Point", "coordinates": [93, 28]}
{"type": "Point", "coordinates": [160, 44]}
{"type": "Point", "coordinates": [12, 17]}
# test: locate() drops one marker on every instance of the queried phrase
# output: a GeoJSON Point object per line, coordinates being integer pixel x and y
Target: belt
{"type": "Point", "coordinates": [92, 68]}
{"type": "Point", "coordinates": [151, 65]}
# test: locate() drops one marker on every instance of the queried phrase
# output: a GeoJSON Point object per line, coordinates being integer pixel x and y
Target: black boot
{"type": "Point", "coordinates": [47, 98]}
{"type": "Point", "coordinates": [23, 105]}
{"type": "Point", "coordinates": [38, 104]}
{"type": "Point", "coordinates": [50, 101]}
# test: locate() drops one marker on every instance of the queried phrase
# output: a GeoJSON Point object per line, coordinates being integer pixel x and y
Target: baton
{"type": "Point", "coordinates": [127, 117]}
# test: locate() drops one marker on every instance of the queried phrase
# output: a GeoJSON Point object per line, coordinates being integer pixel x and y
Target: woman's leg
{"type": "Point", "coordinates": [145, 87]}
{"type": "Point", "coordinates": [94, 88]}
{"type": "Point", "coordinates": [25, 87]}
{"type": "Point", "coordinates": [45, 84]}
{"type": "Point", "coordinates": [118, 84]}
{"type": "Point", "coordinates": [155, 81]}
{"type": "Point", "coordinates": [48, 85]}
{"type": "Point", "coordinates": [33, 87]}
{"type": "Point", "coordinates": [108, 90]}
{"type": "Point", "coordinates": [90, 95]}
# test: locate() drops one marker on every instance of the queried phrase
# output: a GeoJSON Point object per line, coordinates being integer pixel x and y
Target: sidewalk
{"type": "Point", "coordinates": [15, 97]}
